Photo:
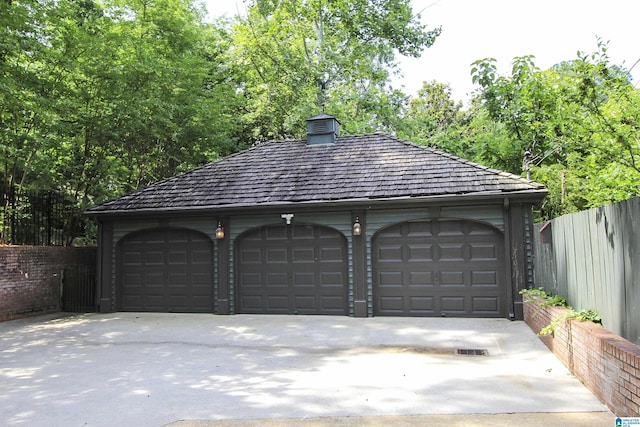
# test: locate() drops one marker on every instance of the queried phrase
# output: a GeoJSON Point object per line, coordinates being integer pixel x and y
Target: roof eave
{"type": "Point", "coordinates": [532, 195]}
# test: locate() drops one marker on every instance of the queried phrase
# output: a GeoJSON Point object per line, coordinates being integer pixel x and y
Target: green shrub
{"type": "Point", "coordinates": [585, 315]}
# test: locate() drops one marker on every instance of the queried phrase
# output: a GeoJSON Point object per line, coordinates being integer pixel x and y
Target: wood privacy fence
{"type": "Point", "coordinates": [593, 259]}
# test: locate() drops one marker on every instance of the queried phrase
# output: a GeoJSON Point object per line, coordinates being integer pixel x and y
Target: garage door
{"type": "Point", "coordinates": [165, 270]}
{"type": "Point", "coordinates": [292, 269]}
{"type": "Point", "coordinates": [439, 268]}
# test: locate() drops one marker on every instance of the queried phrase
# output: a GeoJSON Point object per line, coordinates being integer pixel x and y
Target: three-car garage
{"type": "Point", "coordinates": [418, 268]}
{"type": "Point", "coordinates": [357, 225]}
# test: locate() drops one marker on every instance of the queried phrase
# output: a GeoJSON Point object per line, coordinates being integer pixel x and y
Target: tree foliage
{"type": "Point", "coordinates": [301, 57]}
{"type": "Point", "coordinates": [101, 98]}
{"type": "Point", "coordinates": [575, 127]}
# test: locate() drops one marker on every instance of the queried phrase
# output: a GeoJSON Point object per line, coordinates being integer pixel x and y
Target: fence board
{"type": "Point", "coordinates": [594, 261]}
{"type": "Point", "coordinates": [632, 277]}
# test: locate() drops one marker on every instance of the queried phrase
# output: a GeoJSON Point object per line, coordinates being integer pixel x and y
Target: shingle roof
{"type": "Point", "coordinates": [376, 166]}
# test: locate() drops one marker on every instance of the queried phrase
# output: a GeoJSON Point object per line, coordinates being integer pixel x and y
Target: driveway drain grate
{"type": "Point", "coordinates": [472, 352]}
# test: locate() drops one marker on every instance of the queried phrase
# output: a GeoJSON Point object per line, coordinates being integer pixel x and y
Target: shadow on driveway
{"type": "Point", "coordinates": [149, 369]}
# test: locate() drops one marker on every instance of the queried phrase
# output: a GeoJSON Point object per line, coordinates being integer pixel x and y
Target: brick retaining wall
{"type": "Point", "coordinates": [31, 277]}
{"type": "Point", "coordinates": [607, 364]}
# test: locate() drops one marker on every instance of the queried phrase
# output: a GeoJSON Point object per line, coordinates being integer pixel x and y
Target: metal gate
{"type": "Point", "coordinates": [78, 289]}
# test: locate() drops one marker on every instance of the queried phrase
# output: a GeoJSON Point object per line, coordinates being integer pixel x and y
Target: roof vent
{"type": "Point", "coordinates": [322, 129]}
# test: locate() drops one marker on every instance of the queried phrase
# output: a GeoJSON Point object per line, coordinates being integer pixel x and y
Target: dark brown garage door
{"type": "Point", "coordinates": [165, 270]}
{"type": "Point", "coordinates": [439, 268]}
{"type": "Point", "coordinates": [292, 269]}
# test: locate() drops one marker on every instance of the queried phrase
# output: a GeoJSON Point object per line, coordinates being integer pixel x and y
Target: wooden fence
{"type": "Point", "coordinates": [593, 259]}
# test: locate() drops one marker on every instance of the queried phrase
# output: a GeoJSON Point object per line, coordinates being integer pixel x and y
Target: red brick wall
{"type": "Point", "coordinates": [606, 363]}
{"type": "Point", "coordinates": [31, 277]}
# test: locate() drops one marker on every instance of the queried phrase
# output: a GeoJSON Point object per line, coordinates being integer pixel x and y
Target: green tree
{"type": "Point", "coordinates": [575, 127]}
{"type": "Point", "coordinates": [23, 88]}
{"type": "Point", "coordinates": [103, 98]}
{"type": "Point", "coordinates": [431, 113]}
{"type": "Point", "coordinates": [302, 57]}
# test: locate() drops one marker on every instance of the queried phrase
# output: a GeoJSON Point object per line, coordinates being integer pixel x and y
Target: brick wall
{"type": "Point", "coordinates": [31, 277]}
{"type": "Point", "coordinates": [606, 363]}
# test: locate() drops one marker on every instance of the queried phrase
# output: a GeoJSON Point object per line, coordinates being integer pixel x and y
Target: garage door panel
{"type": "Point", "coordinates": [278, 304]}
{"type": "Point", "coordinates": [451, 228]}
{"type": "Point", "coordinates": [304, 270]}
{"type": "Point", "coordinates": [389, 254]}
{"type": "Point", "coordinates": [200, 257]}
{"type": "Point", "coordinates": [452, 278]}
{"type": "Point", "coordinates": [303, 255]}
{"type": "Point", "coordinates": [424, 305]}
{"type": "Point", "coordinates": [331, 278]}
{"type": "Point", "coordinates": [452, 252]}
{"type": "Point", "coordinates": [178, 301]}
{"type": "Point", "coordinates": [132, 301]}
{"type": "Point", "coordinates": [415, 229]}
{"type": "Point", "coordinates": [483, 252]}
{"type": "Point", "coordinates": [420, 253]}
{"type": "Point", "coordinates": [484, 278]}
{"type": "Point", "coordinates": [486, 305]}
{"type": "Point", "coordinates": [391, 304]}
{"type": "Point", "coordinates": [278, 255]}
{"type": "Point", "coordinates": [250, 256]}
{"type": "Point", "coordinates": [165, 270]}
{"type": "Point", "coordinates": [333, 305]}
{"type": "Point", "coordinates": [154, 302]}
{"type": "Point", "coordinates": [251, 279]}
{"type": "Point", "coordinates": [304, 303]}
{"type": "Point", "coordinates": [421, 278]}
{"type": "Point", "coordinates": [154, 280]}
{"type": "Point", "coordinates": [178, 257]}
{"type": "Point", "coordinates": [133, 258]}
{"type": "Point", "coordinates": [201, 280]}
{"type": "Point", "coordinates": [134, 279]}
{"type": "Point", "coordinates": [439, 267]}
{"type": "Point", "coordinates": [277, 280]}
{"type": "Point", "coordinates": [453, 304]}
{"type": "Point", "coordinates": [307, 280]}
{"type": "Point", "coordinates": [275, 233]}
{"type": "Point", "coordinates": [328, 254]}
{"type": "Point", "coordinates": [154, 258]}
{"type": "Point", "coordinates": [252, 304]}
{"type": "Point", "coordinates": [390, 279]}
{"type": "Point", "coordinates": [177, 279]}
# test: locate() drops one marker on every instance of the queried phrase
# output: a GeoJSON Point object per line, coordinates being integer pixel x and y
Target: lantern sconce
{"type": "Point", "coordinates": [357, 228]}
{"type": "Point", "coordinates": [219, 231]}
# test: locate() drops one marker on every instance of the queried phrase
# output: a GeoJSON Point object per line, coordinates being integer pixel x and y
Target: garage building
{"type": "Point", "coordinates": [366, 225]}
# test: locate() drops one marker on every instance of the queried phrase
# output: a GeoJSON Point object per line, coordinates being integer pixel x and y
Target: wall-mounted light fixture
{"type": "Point", "coordinates": [219, 232]}
{"type": "Point", "coordinates": [357, 228]}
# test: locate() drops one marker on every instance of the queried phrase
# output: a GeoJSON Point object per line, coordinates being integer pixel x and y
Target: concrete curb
{"type": "Point", "coordinates": [582, 419]}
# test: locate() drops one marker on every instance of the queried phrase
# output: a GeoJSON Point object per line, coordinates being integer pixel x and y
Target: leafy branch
{"type": "Point", "coordinates": [585, 315]}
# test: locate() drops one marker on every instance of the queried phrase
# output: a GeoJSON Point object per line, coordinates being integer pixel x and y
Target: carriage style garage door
{"type": "Point", "coordinates": [292, 269]}
{"type": "Point", "coordinates": [439, 268]}
{"type": "Point", "coordinates": [165, 270]}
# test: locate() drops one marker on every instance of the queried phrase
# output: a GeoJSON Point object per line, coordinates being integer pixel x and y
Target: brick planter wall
{"type": "Point", "coordinates": [31, 277]}
{"type": "Point", "coordinates": [606, 363]}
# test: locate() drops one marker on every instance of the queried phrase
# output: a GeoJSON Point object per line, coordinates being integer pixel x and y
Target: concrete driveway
{"type": "Point", "coordinates": [156, 369]}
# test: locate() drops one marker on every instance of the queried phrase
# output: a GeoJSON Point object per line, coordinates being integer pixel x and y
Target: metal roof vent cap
{"type": "Point", "coordinates": [322, 129]}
